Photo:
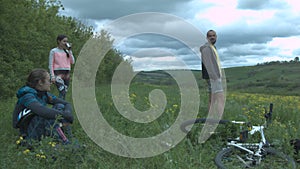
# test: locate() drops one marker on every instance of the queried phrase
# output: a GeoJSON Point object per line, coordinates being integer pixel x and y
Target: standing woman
{"type": "Point", "coordinates": [60, 60]}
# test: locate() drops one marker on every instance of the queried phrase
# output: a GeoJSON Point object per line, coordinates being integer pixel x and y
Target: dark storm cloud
{"type": "Point", "coordinates": [152, 41]}
{"type": "Point", "coordinates": [112, 9]}
{"type": "Point", "coordinates": [147, 45]}
{"type": "Point", "coordinates": [239, 43]}
{"type": "Point", "coordinates": [263, 33]}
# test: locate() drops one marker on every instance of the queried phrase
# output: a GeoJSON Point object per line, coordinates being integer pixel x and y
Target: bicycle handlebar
{"type": "Point", "coordinates": [268, 116]}
{"type": "Point", "coordinates": [271, 108]}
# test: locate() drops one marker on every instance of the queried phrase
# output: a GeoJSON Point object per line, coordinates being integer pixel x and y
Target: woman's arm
{"type": "Point", "coordinates": [49, 113]}
{"type": "Point", "coordinates": [72, 61]}
{"type": "Point", "coordinates": [51, 60]}
{"type": "Point", "coordinates": [68, 106]}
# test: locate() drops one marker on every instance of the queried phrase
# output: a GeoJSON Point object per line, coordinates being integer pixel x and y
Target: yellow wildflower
{"type": "Point", "coordinates": [19, 140]}
{"type": "Point", "coordinates": [52, 144]}
{"type": "Point", "coordinates": [26, 151]}
{"type": "Point", "coordinates": [40, 156]}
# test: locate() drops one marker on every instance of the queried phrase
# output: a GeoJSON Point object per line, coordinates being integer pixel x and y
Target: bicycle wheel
{"type": "Point", "coordinates": [187, 123]}
{"type": "Point", "coordinates": [233, 157]}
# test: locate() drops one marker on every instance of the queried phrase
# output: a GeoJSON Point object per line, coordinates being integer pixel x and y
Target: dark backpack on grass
{"type": "Point", "coordinates": [21, 118]}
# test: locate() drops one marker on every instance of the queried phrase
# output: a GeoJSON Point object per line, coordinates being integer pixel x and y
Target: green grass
{"type": "Point", "coordinates": [276, 79]}
{"type": "Point", "coordinates": [187, 154]}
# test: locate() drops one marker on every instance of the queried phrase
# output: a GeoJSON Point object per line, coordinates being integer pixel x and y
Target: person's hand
{"type": "Point", "coordinates": [68, 116]}
{"type": "Point", "coordinates": [53, 80]}
{"type": "Point", "coordinates": [65, 124]}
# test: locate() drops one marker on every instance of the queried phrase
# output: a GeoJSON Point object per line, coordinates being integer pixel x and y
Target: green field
{"type": "Point", "coordinates": [241, 104]}
{"type": "Point", "coordinates": [276, 78]}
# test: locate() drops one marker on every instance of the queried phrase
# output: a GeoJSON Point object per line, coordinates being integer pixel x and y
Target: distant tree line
{"type": "Point", "coordinates": [296, 60]}
{"type": "Point", "coordinates": [28, 31]}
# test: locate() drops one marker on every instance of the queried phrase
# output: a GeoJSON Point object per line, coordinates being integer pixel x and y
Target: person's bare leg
{"type": "Point", "coordinates": [216, 109]}
{"type": "Point", "coordinates": [220, 104]}
{"type": "Point", "coordinates": [209, 101]}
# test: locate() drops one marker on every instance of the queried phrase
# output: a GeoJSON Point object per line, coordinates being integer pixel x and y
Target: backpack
{"type": "Point", "coordinates": [23, 119]}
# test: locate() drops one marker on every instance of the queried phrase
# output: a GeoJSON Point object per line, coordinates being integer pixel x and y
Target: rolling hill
{"type": "Point", "coordinates": [273, 78]}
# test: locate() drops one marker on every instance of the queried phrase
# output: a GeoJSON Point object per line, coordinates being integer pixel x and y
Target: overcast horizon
{"type": "Point", "coordinates": [249, 31]}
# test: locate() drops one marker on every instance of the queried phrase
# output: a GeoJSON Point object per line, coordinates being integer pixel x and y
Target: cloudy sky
{"type": "Point", "coordinates": [249, 31]}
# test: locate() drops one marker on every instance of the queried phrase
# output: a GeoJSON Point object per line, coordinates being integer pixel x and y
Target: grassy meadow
{"type": "Point", "coordinates": [187, 154]}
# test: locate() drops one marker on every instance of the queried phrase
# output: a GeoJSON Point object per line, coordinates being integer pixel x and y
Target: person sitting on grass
{"type": "Point", "coordinates": [32, 116]}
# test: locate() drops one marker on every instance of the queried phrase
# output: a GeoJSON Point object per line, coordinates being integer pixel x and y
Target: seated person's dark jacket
{"type": "Point", "coordinates": [37, 102]}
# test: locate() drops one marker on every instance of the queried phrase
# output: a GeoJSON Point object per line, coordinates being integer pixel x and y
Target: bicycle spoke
{"type": "Point", "coordinates": [247, 164]}
{"type": "Point", "coordinates": [235, 158]}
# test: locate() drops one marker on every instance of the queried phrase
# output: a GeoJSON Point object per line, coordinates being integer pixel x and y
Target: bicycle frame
{"type": "Point", "coordinates": [247, 154]}
{"type": "Point", "coordinates": [243, 146]}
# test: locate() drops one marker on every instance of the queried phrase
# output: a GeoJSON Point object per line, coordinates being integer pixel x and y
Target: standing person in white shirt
{"type": "Point", "coordinates": [60, 60]}
{"type": "Point", "coordinates": [211, 72]}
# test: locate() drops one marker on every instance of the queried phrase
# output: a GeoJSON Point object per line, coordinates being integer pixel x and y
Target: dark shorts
{"type": "Point", "coordinates": [64, 75]}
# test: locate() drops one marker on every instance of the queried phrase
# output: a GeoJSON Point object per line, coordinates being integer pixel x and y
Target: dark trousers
{"type": "Point", "coordinates": [39, 127]}
{"type": "Point", "coordinates": [62, 82]}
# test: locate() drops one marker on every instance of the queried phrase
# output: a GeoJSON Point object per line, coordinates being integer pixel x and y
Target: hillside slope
{"type": "Point", "coordinates": [281, 79]}
{"type": "Point", "coordinates": [277, 78]}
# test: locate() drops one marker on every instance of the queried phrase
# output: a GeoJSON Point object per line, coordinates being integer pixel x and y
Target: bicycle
{"type": "Point", "coordinates": [241, 154]}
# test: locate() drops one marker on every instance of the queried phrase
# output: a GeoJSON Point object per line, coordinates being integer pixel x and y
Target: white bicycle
{"type": "Point", "coordinates": [241, 154]}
